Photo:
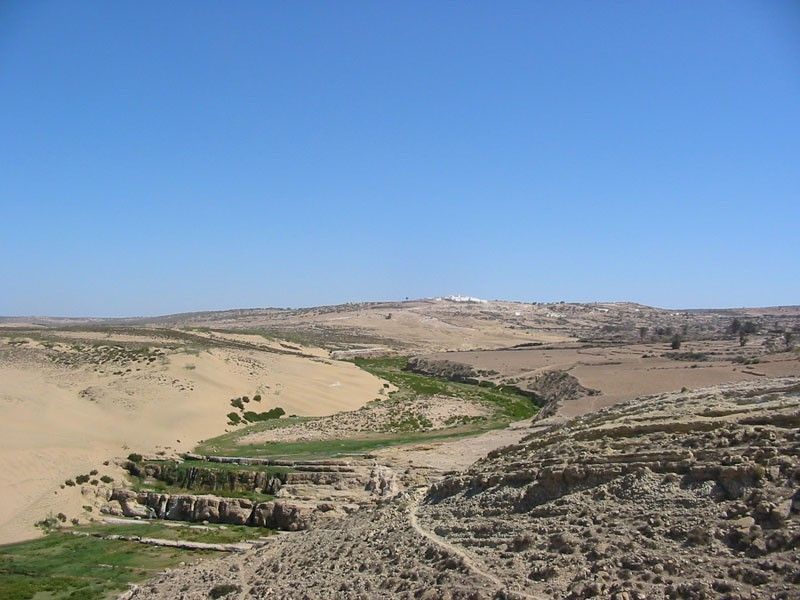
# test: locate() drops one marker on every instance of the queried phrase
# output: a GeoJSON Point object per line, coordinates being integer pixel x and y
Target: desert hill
{"type": "Point", "coordinates": [686, 495]}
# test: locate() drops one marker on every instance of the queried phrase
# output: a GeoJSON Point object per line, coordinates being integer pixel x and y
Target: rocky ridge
{"type": "Point", "coordinates": [683, 495]}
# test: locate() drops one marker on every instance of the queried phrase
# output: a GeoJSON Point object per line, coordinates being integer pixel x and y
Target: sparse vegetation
{"type": "Point", "coordinates": [134, 457]}
{"type": "Point", "coordinates": [687, 356]}
{"type": "Point", "coordinates": [507, 403]}
{"type": "Point", "coordinates": [676, 342]}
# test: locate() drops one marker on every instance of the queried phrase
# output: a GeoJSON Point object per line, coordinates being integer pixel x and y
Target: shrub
{"type": "Point", "coordinates": [223, 589]}
{"type": "Point", "coordinates": [749, 327]}
{"type": "Point", "coordinates": [245, 399]}
{"type": "Point", "coordinates": [70, 483]}
{"type": "Point", "coordinates": [676, 342]}
{"type": "Point", "coordinates": [93, 472]}
{"type": "Point", "coordinates": [273, 413]}
{"type": "Point", "coordinates": [81, 479]}
{"type": "Point", "coordinates": [106, 479]}
{"type": "Point", "coordinates": [736, 325]}
{"type": "Point", "coordinates": [257, 398]}
{"type": "Point", "coordinates": [134, 457]}
{"type": "Point", "coordinates": [237, 403]}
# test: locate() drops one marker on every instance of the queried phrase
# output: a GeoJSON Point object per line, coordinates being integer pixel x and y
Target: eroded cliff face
{"type": "Point", "coordinates": [686, 495]}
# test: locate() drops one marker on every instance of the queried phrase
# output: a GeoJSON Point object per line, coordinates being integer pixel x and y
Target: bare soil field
{"type": "Point", "coordinates": [622, 372]}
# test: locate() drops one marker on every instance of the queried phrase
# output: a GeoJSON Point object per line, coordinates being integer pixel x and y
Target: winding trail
{"type": "Point", "coordinates": [470, 561]}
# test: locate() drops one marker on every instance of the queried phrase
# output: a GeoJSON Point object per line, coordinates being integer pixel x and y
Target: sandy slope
{"type": "Point", "coordinates": [57, 422]}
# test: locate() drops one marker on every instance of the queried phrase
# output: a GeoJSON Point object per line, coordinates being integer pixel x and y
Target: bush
{"type": "Point", "coordinates": [234, 418]}
{"type": "Point", "coordinates": [70, 483]}
{"type": "Point", "coordinates": [257, 398]}
{"type": "Point", "coordinates": [133, 457]}
{"type": "Point", "coordinates": [106, 479]}
{"type": "Point", "coordinates": [81, 479]}
{"type": "Point", "coordinates": [749, 327]}
{"type": "Point", "coordinates": [93, 472]}
{"type": "Point", "coordinates": [676, 342]}
{"type": "Point", "coordinates": [273, 413]}
{"type": "Point", "coordinates": [223, 589]}
{"type": "Point", "coordinates": [237, 403]}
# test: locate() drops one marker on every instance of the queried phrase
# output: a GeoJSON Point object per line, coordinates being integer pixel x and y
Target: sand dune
{"type": "Point", "coordinates": [57, 422]}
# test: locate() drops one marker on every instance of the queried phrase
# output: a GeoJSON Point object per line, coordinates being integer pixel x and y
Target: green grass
{"type": "Point", "coordinates": [61, 566]}
{"type": "Point", "coordinates": [153, 485]}
{"type": "Point", "coordinates": [225, 467]}
{"type": "Point", "coordinates": [211, 534]}
{"type": "Point", "coordinates": [509, 405]}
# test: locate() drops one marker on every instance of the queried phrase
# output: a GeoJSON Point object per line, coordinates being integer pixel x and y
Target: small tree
{"type": "Point", "coordinates": [742, 337]}
{"type": "Point", "coordinates": [736, 325]}
{"type": "Point", "coordinates": [788, 337]}
{"type": "Point", "coordinates": [676, 342]}
{"type": "Point", "coordinates": [749, 327]}
{"type": "Point", "coordinates": [642, 333]}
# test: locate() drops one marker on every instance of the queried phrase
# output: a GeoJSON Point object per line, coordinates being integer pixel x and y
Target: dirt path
{"type": "Point", "coordinates": [470, 561]}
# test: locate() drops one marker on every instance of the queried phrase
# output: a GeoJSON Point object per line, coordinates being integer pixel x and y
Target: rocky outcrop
{"type": "Point", "coordinates": [446, 369]}
{"type": "Point", "coordinates": [382, 482]}
{"type": "Point", "coordinates": [279, 514]}
{"type": "Point", "coordinates": [554, 388]}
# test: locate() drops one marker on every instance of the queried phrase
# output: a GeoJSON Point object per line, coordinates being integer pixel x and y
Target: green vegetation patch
{"type": "Point", "coordinates": [508, 405]}
{"type": "Point", "coordinates": [61, 565]}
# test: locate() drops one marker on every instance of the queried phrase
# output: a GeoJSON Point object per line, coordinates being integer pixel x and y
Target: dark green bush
{"type": "Point", "coordinates": [273, 413]}
{"type": "Point", "coordinates": [223, 589]}
{"type": "Point", "coordinates": [134, 457]}
{"type": "Point", "coordinates": [676, 342]}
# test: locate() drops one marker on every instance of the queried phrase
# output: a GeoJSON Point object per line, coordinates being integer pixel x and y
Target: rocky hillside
{"type": "Point", "coordinates": [674, 496]}
{"type": "Point", "coordinates": [692, 495]}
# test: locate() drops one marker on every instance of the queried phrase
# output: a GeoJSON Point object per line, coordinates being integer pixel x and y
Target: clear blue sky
{"type": "Point", "coordinates": [209, 155]}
